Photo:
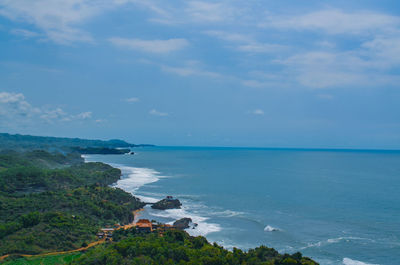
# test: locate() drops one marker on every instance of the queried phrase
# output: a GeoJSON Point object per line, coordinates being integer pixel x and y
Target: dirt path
{"type": "Point", "coordinates": [57, 252]}
{"type": "Point", "coordinates": [135, 214]}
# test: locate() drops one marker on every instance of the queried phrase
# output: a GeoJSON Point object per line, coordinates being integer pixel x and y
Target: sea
{"type": "Point", "coordinates": [335, 206]}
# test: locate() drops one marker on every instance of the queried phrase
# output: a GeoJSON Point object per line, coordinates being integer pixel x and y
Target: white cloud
{"type": "Point", "coordinates": [334, 21]}
{"type": "Point", "coordinates": [55, 114]}
{"type": "Point", "coordinates": [158, 113]}
{"type": "Point", "coordinates": [385, 50]}
{"type": "Point", "coordinates": [15, 109]}
{"type": "Point", "coordinates": [245, 43]}
{"type": "Point", "coordinates": [59, 114]}
{"type": "Point", "coordinates": [149, 4]}
{"type": "Point", "coordinates": [256, 47]}
{"type": "Point", "coordinates": [326, 44]}
{"type": "Point", "coordinates": [25, 33]}
{"type": "Point", "coordinates": [59, 20]}
{"type": "Point", "coordinates": [189, 71]}
{"type": "Point", "coordinates": [228, 36]}
{"type": "Point", "coordinates": [325, 69]}
{"type": "Point", "coordinates": [189, 68]}
{"type": "Point", "coordinates": [339, 69]}
{"type": "Point", "coordinates": [235, 22]}
{"type": "Point", "coordinates": [194, 12]}
{"type": "Point", "coordinates": [262, 79]}
{"type": "Point", "coordinates": [208, 12]}
{"type": "Point", "coordinates": [14, 105]}
{"type": "Point", "coordinates": [258, 112]}
{"type": "Point", "coordinates": [84, 115]}
{"type": "Point", "coordinates": [325, 79]}
{"type": "Point", "coordinates": [131, 100]}
{"type": "Point", "coordinates": [367, 64]}
{"type": "Point", "coordinates": [152, 46]}
{"type": "Point", "coordinates": [6, 97]}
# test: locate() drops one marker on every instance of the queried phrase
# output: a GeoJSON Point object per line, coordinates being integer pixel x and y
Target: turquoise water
{"type": "Point", "coordinates": [338, 207]}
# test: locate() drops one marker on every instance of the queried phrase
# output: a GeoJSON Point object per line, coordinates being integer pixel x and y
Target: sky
{"type": "Point", "coordinates": [257, 73]}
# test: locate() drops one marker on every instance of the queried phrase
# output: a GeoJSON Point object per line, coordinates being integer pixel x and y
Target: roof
{"type": "Point", "coordinates": [143, 221]}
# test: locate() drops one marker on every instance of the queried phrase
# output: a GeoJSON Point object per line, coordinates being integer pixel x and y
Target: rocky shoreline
{"type": "Point", "coordinates": [168, 203]}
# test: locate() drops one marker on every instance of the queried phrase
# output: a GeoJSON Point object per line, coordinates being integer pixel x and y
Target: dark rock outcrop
{"type": "Point", "coordinates": [183, 223]}
{"type": "Point", "coordinates": [165, 204]}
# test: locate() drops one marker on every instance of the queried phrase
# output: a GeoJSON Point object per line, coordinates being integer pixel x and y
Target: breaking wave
{"type": "Point", "coordinates": [135, 177]}
{"type": "Point", "coordinates": [333, 241]}
{"type": "Point", "coordinates": [203, 228]}
{"type": "Point", "coordinates": [347, 261]}
{"type": "Point", "coordinates": [269, 228]}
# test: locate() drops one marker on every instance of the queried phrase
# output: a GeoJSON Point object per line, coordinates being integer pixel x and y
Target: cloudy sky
{"type": "Point", "coordinates": [216, 73]}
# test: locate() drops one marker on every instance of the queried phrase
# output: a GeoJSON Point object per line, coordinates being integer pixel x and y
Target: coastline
{"type": "Point", "coordinates": [136, 214]}
{"type": "Point", "coordinates": [274, 230]}
{"type": "Point", "coordinates": [132, 178]}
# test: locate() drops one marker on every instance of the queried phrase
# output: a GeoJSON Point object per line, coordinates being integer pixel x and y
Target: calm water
{"type": "Point", "coordinates": [338, 207]}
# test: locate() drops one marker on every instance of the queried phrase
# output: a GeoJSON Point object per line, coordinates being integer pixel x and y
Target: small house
{"type": "Point", "coordinates": [144, 226]}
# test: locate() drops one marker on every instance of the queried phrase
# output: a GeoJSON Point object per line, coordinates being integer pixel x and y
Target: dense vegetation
{"type": "Point", "coordinates": [29, 178]}
{"type": "Point", "coordinates": [177, 247]}
{"type": "Point", "coordinates": [38, 158]}
{"type": "Point", "coordinates": [45, 209]}
{"type": "Point", "coordinates": [29, 142]}
{"type": "Point", "coordinates": [101, 150]}
{"type": "Point", "coordinates": [45, 260]}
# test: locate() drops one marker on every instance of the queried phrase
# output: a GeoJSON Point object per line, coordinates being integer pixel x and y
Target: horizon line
{"type": "Point", "coordinates": [283, 148]}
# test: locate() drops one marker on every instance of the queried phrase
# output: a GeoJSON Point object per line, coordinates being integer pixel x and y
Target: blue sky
{"type": "Point", "coordinates": [321, 74]}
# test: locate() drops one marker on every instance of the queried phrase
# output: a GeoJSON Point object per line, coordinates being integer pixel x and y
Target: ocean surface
{"type": "Point", "coordinates": [338, 207]}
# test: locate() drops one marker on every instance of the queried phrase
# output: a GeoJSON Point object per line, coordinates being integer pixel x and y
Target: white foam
{"type": "Point", "coordinates": [136, 177]}
{"type": "Point", "coordinates": [347, 261]}
{"type": "Point", "coordinates": [227, 213]}
{"type": "Point", "coordinates": [133, 178]}
{"type": "Point", "coordinates": [202, 229]}
{"type": "Point", "coordinates": [334, 241]}
{"type": "Point", "coordinates": [146, 198]}
{"type": "Point", "coordinates": [269, 228]}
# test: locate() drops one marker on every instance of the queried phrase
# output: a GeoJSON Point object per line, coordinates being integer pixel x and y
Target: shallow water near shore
{"type": "Point", "coordinates": [338, 207]}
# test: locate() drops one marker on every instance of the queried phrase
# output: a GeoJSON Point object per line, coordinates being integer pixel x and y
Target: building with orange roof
{"type": "Point", "coordinates": [144, 225]}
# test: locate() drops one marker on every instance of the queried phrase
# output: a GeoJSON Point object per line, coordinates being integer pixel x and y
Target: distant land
{"type": "Point", "coordinates": [20, 142]}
